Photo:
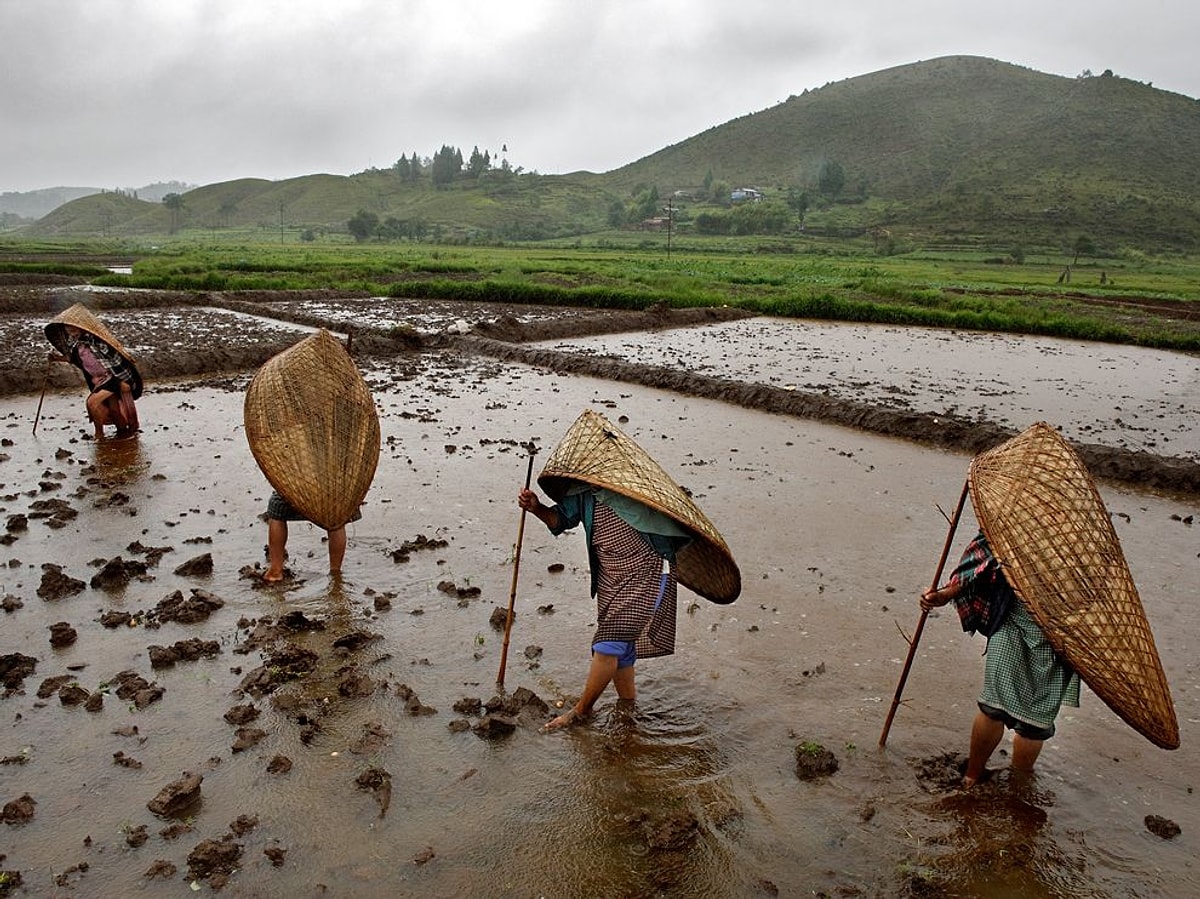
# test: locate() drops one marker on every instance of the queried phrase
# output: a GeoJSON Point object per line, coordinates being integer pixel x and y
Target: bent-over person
{"type": "Point", "coordinates": [631, 555]}
{"type": "Point", "coordinates": [110, 378]}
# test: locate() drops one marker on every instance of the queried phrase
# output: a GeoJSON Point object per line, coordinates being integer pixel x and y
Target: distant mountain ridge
{"type": "Point", "coordinates": [958, 149]}
{"type": "Point", "coordinates": [33, 204]}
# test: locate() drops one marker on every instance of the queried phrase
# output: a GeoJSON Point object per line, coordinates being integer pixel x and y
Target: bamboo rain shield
{"type": "Point", "coordinates": [595, 452]}
{"type": "Point", "coordinates": [1050, 531]}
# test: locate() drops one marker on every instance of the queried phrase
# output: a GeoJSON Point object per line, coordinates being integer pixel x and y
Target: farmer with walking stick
{"type": "Point", "coordinates": [644, 535]}
{"type": "Point", "coordinates": [1046, 582]}
{"type": "Point", "coordinates": [1025, 682]}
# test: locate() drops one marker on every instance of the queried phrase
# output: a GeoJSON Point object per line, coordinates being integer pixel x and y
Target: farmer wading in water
{"type": "Point", "coordinates": [631, 554]}
{"type": "Point", "coordinates": [644, 535]}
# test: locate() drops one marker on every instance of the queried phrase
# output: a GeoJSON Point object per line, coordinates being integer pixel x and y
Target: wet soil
{"type": "Point", "coordinates": [230, 333]}
{"type": "Point", "coordinates": [345, 736]}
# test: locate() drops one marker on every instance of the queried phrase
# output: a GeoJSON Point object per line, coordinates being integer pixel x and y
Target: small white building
{"type": "Point", "coordinates": [745, 195]}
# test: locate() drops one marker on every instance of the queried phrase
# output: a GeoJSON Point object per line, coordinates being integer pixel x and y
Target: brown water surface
{"type": "Point", "coordinates": [692, 792]}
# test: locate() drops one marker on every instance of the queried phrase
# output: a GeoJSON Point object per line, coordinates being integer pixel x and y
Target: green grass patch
{"type": "Point", "coordinates": [1105, 301]}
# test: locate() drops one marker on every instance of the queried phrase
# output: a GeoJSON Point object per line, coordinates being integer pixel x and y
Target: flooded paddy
{"type": "Point", "coordinates": [1130, 397]}
{"type": "Point", "coordinates": [337, 723]}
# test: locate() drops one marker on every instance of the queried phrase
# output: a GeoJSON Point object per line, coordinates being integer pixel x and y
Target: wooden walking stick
{"type": "Point", "coordinates": [45, 381]}
{"type": "Point", "coordinates": [512, 595]}
{"type": "Point", "coordinates": [912, 644]}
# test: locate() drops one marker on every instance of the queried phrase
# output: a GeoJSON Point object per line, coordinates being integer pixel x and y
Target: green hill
{"type": "Point", "coordinates": [960, 150]}
{"type": "Point", "coordinates": [965, 145]}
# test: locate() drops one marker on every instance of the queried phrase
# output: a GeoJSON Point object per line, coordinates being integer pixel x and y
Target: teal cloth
{"type": "Point", "coordinates": [578, 507]}
{"type": "Point", "coordinates": [639, 516]}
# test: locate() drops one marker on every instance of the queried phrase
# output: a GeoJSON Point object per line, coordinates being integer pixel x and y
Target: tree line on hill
{"type": "Point", "coordinates": [726, 210]}
{"type": "Point", "coordinates": [447, 166]}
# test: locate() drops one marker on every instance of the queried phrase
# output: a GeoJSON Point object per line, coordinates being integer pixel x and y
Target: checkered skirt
{"type": "Point", "coordinates": [631, 578]}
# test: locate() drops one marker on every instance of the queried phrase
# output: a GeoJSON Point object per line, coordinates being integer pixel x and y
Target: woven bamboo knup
{"type": "Point", "coordinates": [313, 429]}
{"type": "Point", "coordinates": [85, 320]}
{"type": "Point", "coordinates": [594, 452]}
{"type": "Point", "coordinates": [1049, 529]}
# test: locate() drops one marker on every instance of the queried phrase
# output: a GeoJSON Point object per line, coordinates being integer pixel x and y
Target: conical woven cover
{"type": "Point", "coordinates": [83, 318]}
{"type": "Point", "coordinates": [595, 452]}
{"type": "Point", "coordinates": [313, 429]}
{"type": "Point", "coordinates": [1049, 529]}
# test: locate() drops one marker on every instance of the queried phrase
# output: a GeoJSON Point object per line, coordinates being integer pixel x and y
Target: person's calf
{"type": "Point", "coordinates": [1025, 753]}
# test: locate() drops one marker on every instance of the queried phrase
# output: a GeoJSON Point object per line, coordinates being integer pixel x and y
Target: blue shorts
{"type": "Point", "coordinates": [1024, 728]}
{"type": "Point", "coordinates": [625, 651]}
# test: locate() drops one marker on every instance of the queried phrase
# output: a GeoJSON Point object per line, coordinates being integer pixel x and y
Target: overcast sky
{"type": "Point", "coordinates": [123, 93]}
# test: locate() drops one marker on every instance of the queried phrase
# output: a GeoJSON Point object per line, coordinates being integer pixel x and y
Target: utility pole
{"type": "Point", "coordinates": [670, 223]}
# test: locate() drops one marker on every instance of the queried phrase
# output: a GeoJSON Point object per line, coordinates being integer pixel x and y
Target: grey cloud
{"type": "Point", "coordinates": [120, 92]}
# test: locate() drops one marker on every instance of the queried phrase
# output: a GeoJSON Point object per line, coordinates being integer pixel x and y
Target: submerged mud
{"type": "Point", "coordinates": [177, 725]}
{"type": "Point", "coordinates": [940, 430]}
{"type": "Point", "coordinates": [498, 332]}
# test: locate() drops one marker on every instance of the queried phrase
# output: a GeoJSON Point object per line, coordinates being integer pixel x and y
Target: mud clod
{"type": "Point", "coordinates": [160, 867]}
{"type": "Point", "coordinates": [379, 782]}
{"type": "Point", "coordinates": [57, 585]}
{"type": "Point", "coordinates": [214, 860]}
{"type": "Point", "coordinates": [1163, 827]}
{"type": "Point", "coordinates": [18, 811]}
{"type": "Point", "coordinates": [813, 760]}
{"type": "Point", "coordinates": [117, 573]}
{"type": "Point", "coordinates": [177, 797]}
{"type": "Point", "coordinates": [15, 669]}
{"type": "Point", "coordinates": [194, 609]}
{"type": "Point", "coordinates": [247, 738]}
{"type": "Point", "coordinates": [200, 566]}
{"type": "Point", "coordinates": [62, 634]}
{"type": "Point", "coordinates": [132, 687]}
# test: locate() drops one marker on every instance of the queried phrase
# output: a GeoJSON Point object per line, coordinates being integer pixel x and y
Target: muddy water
{"type": "Point", "coordinates": [1128, 397]}
{"type": "Point", "coordinates": [693, 792]}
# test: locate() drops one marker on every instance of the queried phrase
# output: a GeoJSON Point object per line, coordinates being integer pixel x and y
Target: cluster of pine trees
{"type": "Point", "coordinates": [447, 166]}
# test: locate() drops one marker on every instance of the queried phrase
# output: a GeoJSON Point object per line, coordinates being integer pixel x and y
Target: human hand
{"type": "Point", "coordinates": [528, 500]}
{"type": "Point", "coordinates": [933, 598]}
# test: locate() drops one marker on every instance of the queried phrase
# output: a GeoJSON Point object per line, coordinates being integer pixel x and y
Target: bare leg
{"type": "Point", "coordinates": [986, 734]}
{"type": "Point", "coordinates": [129, 417]}
{"type": "Point", "coordinates": [277, 534]}
{"type": "Point", "coordinates": [600, 675]}
{"type": "Point", "coordinates": [1025, 753]}
{"type": "Point", "coordinates": [98, 410]}
{"type": "Point", "coordinates": [623, 681]}
{"type": "Point", "coordinates": [337, 549]}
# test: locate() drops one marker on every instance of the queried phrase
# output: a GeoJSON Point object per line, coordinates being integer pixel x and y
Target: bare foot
{"type": "Point", "coordinates": [968, 782]}
{"type": "Point", "coordinates": [568, 718]}
{"type": "Point", "coordinates": [272, 577]}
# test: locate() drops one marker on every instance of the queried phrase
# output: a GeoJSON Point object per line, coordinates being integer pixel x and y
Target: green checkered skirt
{"type": "Point", "coordinates": [1023, 675]}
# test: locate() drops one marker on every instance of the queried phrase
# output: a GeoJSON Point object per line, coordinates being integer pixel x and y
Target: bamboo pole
{"type": "Point", "coordinates": [912, 644]}
{"type": "Point", "coordinates": [45, 381]}
{"type": "Point", "coordinates": [512, 595]}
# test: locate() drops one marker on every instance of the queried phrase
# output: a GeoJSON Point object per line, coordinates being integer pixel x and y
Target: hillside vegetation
{"type": "Point", "coordinates": [953, 152]}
